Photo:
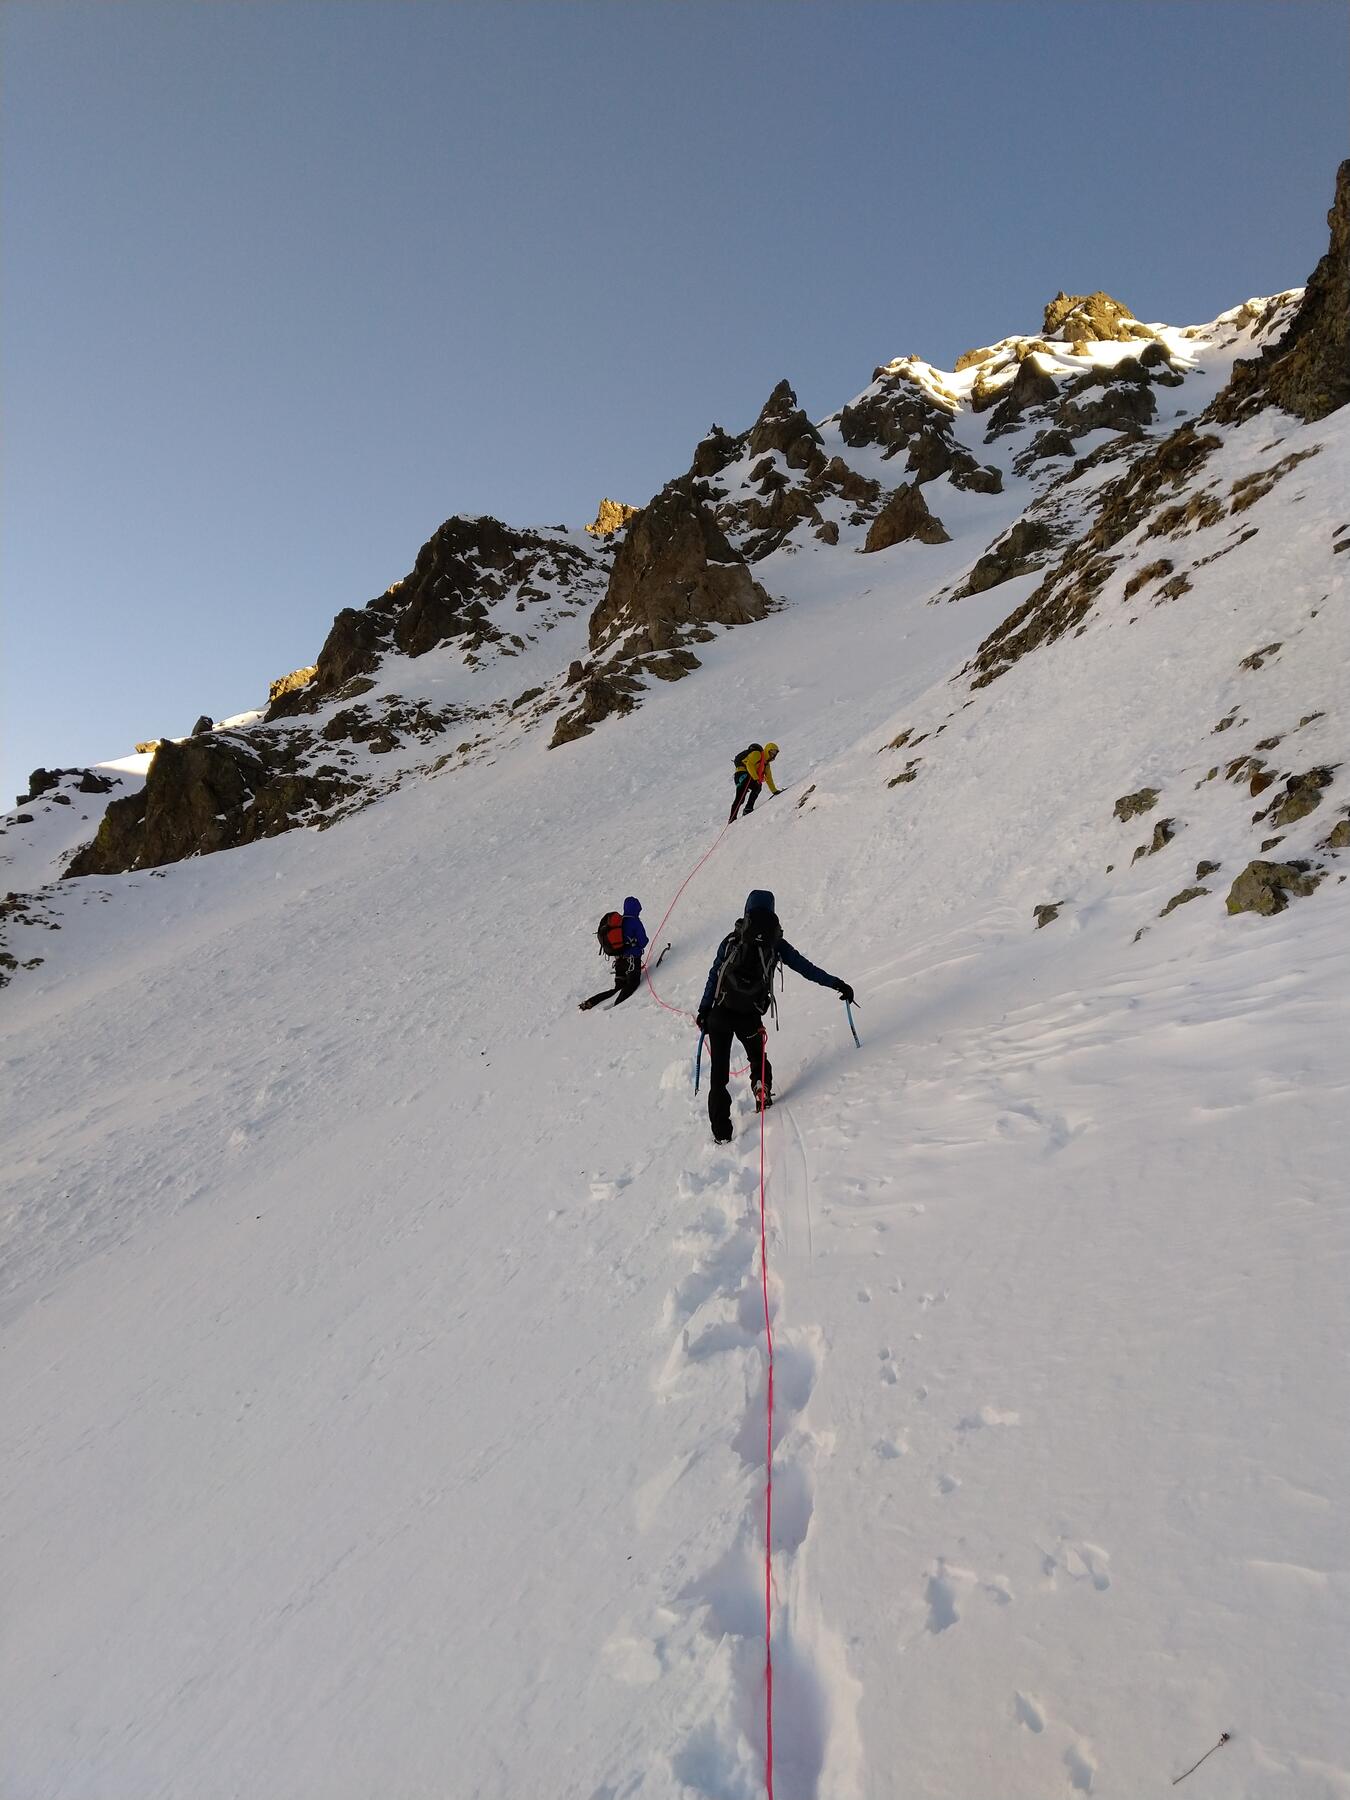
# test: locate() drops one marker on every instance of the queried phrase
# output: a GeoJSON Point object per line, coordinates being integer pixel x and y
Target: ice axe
{"type": "Point", "coordinates": [848, 1008]}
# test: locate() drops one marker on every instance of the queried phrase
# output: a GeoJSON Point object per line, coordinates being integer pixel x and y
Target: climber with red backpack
{"type": "Point", "coordinates": [623, 938]}
{"type": "Point", "coordinates": [752, 771]}
{"type": "Point", "coordinates": [738, 993]}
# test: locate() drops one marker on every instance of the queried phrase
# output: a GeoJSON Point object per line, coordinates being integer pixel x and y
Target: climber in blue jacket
{"type": "Point", "coordinates": [627, 956]}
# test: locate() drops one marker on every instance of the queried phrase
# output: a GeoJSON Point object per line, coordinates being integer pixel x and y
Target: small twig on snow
{"type": "Point", "coordinates": [1195, 1765]}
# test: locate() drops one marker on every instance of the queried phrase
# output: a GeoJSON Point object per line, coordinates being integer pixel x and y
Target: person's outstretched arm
{"type": "Point", "coordinates": [800, 966]}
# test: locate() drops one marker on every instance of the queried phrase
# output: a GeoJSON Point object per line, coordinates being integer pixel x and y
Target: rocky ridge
{"type": "Point", "coordinates": [1148, 536]}
{"type": "Point", "coordinates": [1306, 369]}
{"type": "Point", "coordinates": [1121, 503]}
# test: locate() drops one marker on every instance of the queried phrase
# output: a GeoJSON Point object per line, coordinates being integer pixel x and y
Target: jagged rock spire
{"type": "Point", "coordinates": [1308, 371]}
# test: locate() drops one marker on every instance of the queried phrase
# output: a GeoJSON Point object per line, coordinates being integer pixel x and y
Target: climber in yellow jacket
{"type": "Point", "coordinates": [752, 772]}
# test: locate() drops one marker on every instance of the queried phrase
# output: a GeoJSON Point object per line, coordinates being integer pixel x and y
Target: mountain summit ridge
{"type": "Point", "coordinates": [1062, 406]}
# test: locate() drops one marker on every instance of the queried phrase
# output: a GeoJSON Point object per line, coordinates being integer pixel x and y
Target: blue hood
{"type": "Point", "coordinates": [759, 900]}
{"type": "Point", "coordinates": [631, 908]}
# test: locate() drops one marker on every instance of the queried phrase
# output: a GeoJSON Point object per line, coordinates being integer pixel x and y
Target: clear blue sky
{"type": "Point", "coordinates": [284, 285]}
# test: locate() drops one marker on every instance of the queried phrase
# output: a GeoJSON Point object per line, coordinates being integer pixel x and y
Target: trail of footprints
{"type": "Point", "coordinates": [716, 1311]}
{"type": "Point", "coordinates": [951, 1590]}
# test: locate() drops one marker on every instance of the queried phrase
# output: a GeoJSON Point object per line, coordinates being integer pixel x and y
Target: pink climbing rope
{"type": "Point", "coordinates": [768, 1443]}
{"type": "Point", "coordinates": [656, 935]}
{"type": "Point", "coordinates": [647, 966]}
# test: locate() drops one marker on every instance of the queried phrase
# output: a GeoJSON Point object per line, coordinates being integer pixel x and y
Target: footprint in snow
{"type": "Point", "coordinates": [1029, 1712]}
{"type": "Point", "coordinates": [603, 1189]}
{"type": "Point", "coordinates": [1082, 1767]}
{"type": "Point", "coordinates": [1084, 1562]}
{"type": "Point", "coordinates": [944, 1587]}
{"type": "Point", "coordinates": [987, 1416]}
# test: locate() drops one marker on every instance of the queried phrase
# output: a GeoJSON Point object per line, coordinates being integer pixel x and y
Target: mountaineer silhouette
{"type": "Point", "coordinates": [752, 771]}
{"type": "Point", "coordinates": [738, 993]}
{"type": "Point", "coordinates": [622, 937]}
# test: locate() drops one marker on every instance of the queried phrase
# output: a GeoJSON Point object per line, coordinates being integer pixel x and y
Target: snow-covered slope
{"type": "Point", "coordinates": [386, 1337]}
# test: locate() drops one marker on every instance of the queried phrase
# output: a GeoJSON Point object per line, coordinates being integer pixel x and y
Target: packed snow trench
{"type": "Point", "coordinates": [384, 1338]}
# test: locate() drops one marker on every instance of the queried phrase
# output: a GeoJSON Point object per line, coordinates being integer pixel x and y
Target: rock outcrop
{"type": "Point", "coordinates": [1072, 584]}
{"type": "Point", "coordinates": [205, 794]}
{"type": "Point", "coordinates": [1307, 372]}
{"type": "Point", "coordinates": [715, 451]}
{"type": "Point", "coordinates": [611, 516]}
{"type": "Point", "coordinates": [762, 520]}
{"type": "Point", "coordinates": [1091, 318]}
{"type": "Point", "coordinates": [675, 576]}
{"type": "Point", "coordinates": [905, 518]}
{"type": "Point", "coordinates": [1019, 551]}
{"type": "Point", "coordinates": [291, 684]}
{"type": "Point", "coordinates": [1302, 795]}
{"type": "Point", "coordinates": [45, 781]}
{"type": "Point", "coordinates": [1117, 397]}
{"type": "Point", "coordinates": [784, 427]}
{"type": "Point", "coordinates": [674, 571]}
{"type": "Point", "coordinates": [602, 692]}
{"type": "Point", "coordinates": [461, 573]}
{"type": "Point", "coordinates": [1265, 887]}
{"type": "Point", "coordinates": [1130, 806]}
{"type": "Point", "coordinates": [1033, 386]}
{"type": "Point", "coordinates": [904, 414]}
{"type": "Point", "coordinates": [1123, 405]}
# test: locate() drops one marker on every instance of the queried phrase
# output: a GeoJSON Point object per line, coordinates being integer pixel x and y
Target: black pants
{"type": "Point", "coordinates": [627, 981]}
{"type": "Point", "coordinates": [722, 1027]}
{"type": "Point", "coordinates": [746, 790]}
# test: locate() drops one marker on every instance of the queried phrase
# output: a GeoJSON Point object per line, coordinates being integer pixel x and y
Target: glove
{"type": "Point", "coordinates": [846, 993]}
{"type": "Point", "coordinates": [702, 1022]}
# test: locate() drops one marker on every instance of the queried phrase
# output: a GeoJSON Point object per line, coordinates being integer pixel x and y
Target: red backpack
{"type": "Point", "coordinates": [610, 933]}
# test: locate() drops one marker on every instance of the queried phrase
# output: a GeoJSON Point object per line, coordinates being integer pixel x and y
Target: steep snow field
{"type": "Point", "coordinates": [384, 1337]}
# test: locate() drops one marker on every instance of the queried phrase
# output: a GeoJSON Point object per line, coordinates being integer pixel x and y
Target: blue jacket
{"type": "Point", "coordinates": [634, 931]}
{"type": "Point", "coordinates": [760, 899]}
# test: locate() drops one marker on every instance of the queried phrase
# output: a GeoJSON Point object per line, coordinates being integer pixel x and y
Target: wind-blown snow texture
{"type": "Point", "coordinates": [386, 1379]}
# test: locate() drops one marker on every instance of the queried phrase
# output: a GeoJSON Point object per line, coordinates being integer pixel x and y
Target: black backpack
{"type": "Point", "coordinates": [746, 752]}
{"type": "Point", "coordinates": [610, 933]}
{"type": "Point", "coordinates": [745, 974]}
